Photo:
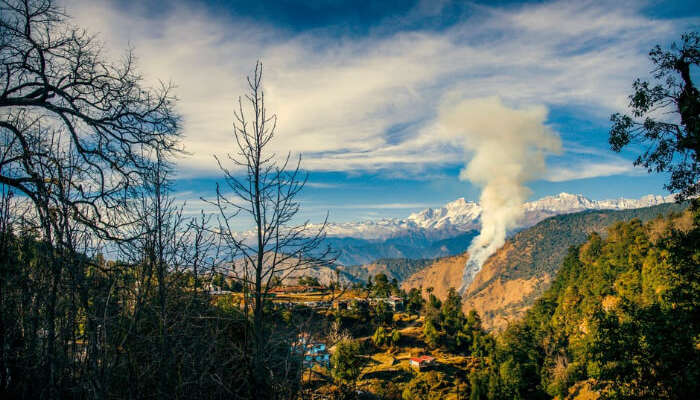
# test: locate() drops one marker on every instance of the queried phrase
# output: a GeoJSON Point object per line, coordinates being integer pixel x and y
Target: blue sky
{"type": "Point", "coordinates": [359, 86]}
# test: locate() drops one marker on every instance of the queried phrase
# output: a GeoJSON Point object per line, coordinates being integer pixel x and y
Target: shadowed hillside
{"type": "Point", "coordinates": [393, 268]}
{"type": "Point", "coordinates": [357, 251]}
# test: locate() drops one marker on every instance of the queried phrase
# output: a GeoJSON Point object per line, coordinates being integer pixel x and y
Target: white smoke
{"type": "Point", "coordinates": [509, 147]}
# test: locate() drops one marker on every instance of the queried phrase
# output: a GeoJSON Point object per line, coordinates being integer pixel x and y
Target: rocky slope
{"type": "Point", "coordinates": [524, 267]}
{"type": "Point", "coordinates": [440, 276]}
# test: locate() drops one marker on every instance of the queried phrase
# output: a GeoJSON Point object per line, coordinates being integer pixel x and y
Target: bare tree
{"type": "Point", "coordinates": [53, 77]}
{"type": "Point", "coordinates": [181, 350]}
{"type": "Point", "coordinates": [78, 132]}
{"type": "Point", "coordinates": [262, 189]}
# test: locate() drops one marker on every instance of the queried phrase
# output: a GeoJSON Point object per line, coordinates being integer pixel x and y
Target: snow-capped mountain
{"type": "Point", "coordinates": [566, 203]}
{"type": "Point", "coordinates": [459, 213]}
{"type": "Point", "coordinates": [460, 216]}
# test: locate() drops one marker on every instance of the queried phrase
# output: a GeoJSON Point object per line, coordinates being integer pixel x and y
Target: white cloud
{"type": "Point", "coordinates": [337, 99]}
{"type": "Point", "coordinates": [321, 185]}
{"type": "Point", "coordinates": [591, 169]}
{"type": "Point", "coordinates": [383, 206]}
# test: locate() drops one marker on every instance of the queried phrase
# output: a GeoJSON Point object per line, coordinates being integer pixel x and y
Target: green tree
{"type": "Point", "coordinates": [425, 386]}
{"type": "Point", "coordinates": [381, 288]}
{"type": "Point", "coordinates": [395, 289]}
{"type": "Point", "coordinates": [451, 313]}
{"type": "Point", "coordinates": [671, 146]}
{"type": "Point", "coordinates": [380, 336]}
{"type": "Point", "coordinates": [308, 281]}
{"type": "Point", "coordinates": [395, 337]}
{"type": "Point", "coordinates": [346, 363]}
{"type": "Point", "coordinates": [621, 312]}
{"type": "Point", "coordinates": [478, 384]}
{"type": "Point", "coordinates": [432, 336]}
{"type": "Point", "coordinates": [219, 281]}
{"type": "Point", "coordinates": [415, 301]}
{"type": "Point", "coordinates": [382, 314]}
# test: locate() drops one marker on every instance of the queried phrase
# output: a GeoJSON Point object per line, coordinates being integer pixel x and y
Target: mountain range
{"type": "Point", "coordinates": [448, 230]}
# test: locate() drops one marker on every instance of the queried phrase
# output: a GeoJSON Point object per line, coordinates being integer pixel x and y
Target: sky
{"type": "Point", "coordinates": [359, 86]}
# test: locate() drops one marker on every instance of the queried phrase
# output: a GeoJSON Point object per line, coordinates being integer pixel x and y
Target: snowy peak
{"type": "Point", "coordinates": [563, 202]}
{"type": "Point", "coordinates": [456, 213]}
{"type": "Point", "coordinates": [460, 215]}
{"type": "Point", "coordinates": [645, 201]}
{"type": "Point", "coordinates": [567, 203]}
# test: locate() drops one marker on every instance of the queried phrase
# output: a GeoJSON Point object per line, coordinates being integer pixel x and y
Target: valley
{"type": "Point", "coordinates": [349, 200]}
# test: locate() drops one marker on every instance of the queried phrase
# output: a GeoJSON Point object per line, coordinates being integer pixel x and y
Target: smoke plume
{"type": "Point", "coordinates": [508, 148]}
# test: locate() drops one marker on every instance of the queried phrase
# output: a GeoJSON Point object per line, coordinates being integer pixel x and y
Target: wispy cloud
{"type": "Point", "coordinates": [339, 99]}
{"type": "Point", "coordinates": [589, 169]}
{"type": "Point", "coordinates": [379, 206]}
{"type": "Point", "coordinates": [322, 185]}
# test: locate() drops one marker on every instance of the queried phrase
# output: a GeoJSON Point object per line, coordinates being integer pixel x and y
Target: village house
{"type": "Point", "coordinates": [396, 303]}
{"type": "Point", "coordinates": [422, 362]}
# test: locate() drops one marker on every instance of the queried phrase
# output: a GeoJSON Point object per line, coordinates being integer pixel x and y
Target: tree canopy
{"type": "Point", "coordinates": [665, 117]}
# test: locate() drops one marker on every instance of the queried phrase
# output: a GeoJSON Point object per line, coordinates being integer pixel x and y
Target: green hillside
{"type": "Point", "coordinates": [523, 269]}
{"type": "Point", "coordinates": [541, 248]}
{"type": "Point", "coordinates": [621, 320]}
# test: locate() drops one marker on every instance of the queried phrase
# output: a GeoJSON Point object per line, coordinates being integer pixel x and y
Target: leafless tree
{"type": "Point", "coordinates": [78, 134]}
{"type": "Point", "coordinates": [261, 189]}
{"type": "Point", "coordinates": [88, 147]}
{"type": "Point", "coordinates": [54, 77]}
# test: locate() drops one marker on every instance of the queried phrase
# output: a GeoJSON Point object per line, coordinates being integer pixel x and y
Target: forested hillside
{"type": "Point", "coordinates": [621, 319]}
{"type": "Point", "coordinates": [522, 269]}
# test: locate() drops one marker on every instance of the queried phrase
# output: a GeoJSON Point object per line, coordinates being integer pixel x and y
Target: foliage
{"type": "Point", "coordinates": [424, 386]}
{"type": "Point", "coordinates": [309, 281]}
{"type": "Point", "coordinates": [414, 301]}
{"type": "Point", "coordinates": [623, 311]}
{"type": "Point", "coordinates": [346, 363]}
{"type": "Point", "coordinates": [672, 145]}
{"type": "Point", "coordinates": [385, 337]}
{"type": "Point", "coordinates": [381, 287]}
{"type": "Point", "coordinates": [381, 314]}
{"type": "Point", "coordinates": [386, 390]}
{"type": "Point", "coordinates": [447, 326]}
